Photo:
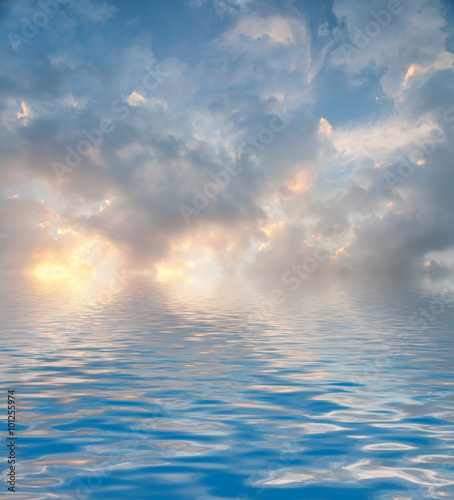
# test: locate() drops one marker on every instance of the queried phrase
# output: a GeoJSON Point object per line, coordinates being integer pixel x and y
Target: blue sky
{"type": "Point", "coordinates": [190, 137]}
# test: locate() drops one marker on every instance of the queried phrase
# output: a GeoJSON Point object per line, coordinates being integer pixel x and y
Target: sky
{"type": "Point", "coordinates": [196, 138]}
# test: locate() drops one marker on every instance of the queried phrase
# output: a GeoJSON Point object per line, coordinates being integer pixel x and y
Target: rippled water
{"type": "Point", "coordinates": [145, 390]}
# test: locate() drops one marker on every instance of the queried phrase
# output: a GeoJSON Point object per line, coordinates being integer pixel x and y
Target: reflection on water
{"type": "Point", "coordinates": [146, 390]}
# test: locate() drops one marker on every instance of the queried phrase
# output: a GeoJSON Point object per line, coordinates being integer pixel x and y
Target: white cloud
{"type": "Point", "coordinates": [279, 30]}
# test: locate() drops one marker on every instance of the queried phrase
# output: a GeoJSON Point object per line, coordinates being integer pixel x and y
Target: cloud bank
{"type": "Point", "coordinates": [249, 136]}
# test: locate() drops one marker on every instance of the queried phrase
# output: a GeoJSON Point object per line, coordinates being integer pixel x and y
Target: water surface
{"type": "Point", "coordinates": [140, 389]}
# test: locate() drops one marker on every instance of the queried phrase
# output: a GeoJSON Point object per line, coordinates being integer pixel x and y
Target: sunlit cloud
{"type": "Point", "coordinates": [325, 128]}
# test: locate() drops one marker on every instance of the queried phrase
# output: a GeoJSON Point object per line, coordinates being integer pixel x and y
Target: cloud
{"type": "Point", "coordinates": [411, 37]}
{"type": "Point", "coordinates": [277, 30]}
{"type": "Point", "coordinates": [439, 268]}
{"type": "Point", "coordinates": [247, 93]}
{"type": "Point", "coordinates": [93, 11]}
{"type": "Point", "coordinates": [34, 241]}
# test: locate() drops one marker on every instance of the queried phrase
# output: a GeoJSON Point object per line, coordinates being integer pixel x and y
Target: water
{"type": "Point", "coordinates": [210, 392]}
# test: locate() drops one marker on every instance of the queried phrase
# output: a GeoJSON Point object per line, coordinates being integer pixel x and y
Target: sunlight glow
{"type": "Point", "coordinates": [178, 271]}
{"type": "Point", "coordinates": [51, 272]}
{"type": "Point", "coordinates": [73, 257]}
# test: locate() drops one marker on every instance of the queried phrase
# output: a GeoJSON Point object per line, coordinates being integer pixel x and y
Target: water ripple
{"type": "Point", "coordinates": [163, 393]}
